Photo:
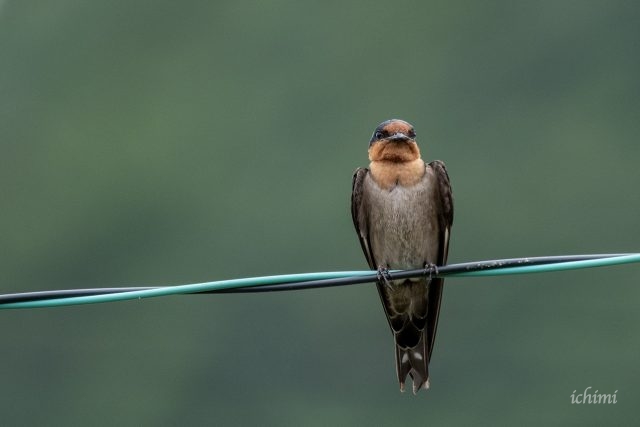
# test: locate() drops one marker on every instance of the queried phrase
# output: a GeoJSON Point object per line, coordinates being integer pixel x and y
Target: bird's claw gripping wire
{"type": "Point", "coordinates": [430, 270]}
{"type": "Point", "coordinates": [384, 276]}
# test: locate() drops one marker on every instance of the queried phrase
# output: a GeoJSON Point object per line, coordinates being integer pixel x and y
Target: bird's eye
{"type": "Point", "coordinates": [378, 135]}
{"type": "Point", "coordinates": [412, 133]}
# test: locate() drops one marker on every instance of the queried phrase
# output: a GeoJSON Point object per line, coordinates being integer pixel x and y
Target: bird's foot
{"type": "Point", "coordinates": [384, 276]}
{"type": "Point", "coordinates": [430, 270]}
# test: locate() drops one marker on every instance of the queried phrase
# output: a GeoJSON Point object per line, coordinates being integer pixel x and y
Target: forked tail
{"type": "Point", "coordinates": [413, 361]}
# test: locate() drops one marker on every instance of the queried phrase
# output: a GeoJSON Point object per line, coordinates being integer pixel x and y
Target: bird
{"type": "Point", "coordinates": [402, 210]}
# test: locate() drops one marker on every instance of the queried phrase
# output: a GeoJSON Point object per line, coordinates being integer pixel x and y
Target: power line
{"type": "Point", "coordinates": [288, 282]}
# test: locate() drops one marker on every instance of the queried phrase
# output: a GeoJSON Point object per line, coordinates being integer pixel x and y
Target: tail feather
{"type": "Point", "coordinates": [413, 361]}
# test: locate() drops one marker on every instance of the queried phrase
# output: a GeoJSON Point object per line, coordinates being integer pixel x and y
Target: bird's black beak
{"type": "Point", "coordinates": [399, 137]}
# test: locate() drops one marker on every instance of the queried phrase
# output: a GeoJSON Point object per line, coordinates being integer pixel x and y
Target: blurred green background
{"type": "Point", "coordinates": [155, 143]}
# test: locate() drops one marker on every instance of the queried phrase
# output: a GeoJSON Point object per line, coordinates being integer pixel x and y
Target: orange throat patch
{"type": "Point", "coordinates": [396, 164]}
{"type": "Point", "coordinates": [387, 174]}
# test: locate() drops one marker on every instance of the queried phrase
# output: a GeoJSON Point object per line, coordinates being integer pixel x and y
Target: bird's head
{"type": "Point", "coordinates": [394, 141]}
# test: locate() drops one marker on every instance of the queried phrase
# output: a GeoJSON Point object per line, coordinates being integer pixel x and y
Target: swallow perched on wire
{"type": "Point", "coordinates": [402, 209]}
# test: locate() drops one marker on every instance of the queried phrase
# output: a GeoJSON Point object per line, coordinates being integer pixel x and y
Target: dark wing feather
{"type": "Point", "coordinates": [445, 221]}
{"type": "Point", "coordinates": [359, 215]}
{"type": "Point", "coordinates": [361, 222]}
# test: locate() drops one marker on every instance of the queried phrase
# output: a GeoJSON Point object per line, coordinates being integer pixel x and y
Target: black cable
{"type": "Point", "coordinates": [442, 272]}
{"type": "Point", "coordinates": [315, 284]}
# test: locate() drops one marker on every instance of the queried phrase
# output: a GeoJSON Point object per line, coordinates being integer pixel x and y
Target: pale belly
{"type": "Point", "coordinates": [403, 225]}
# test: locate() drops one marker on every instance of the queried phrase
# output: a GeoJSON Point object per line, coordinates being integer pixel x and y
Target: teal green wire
{"type": "Point", "coordinates": [303, 277]}
{"type": "Point", "coordinates": [560, 266]}
{"type": "Point", "coordinates": [184, 289]}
